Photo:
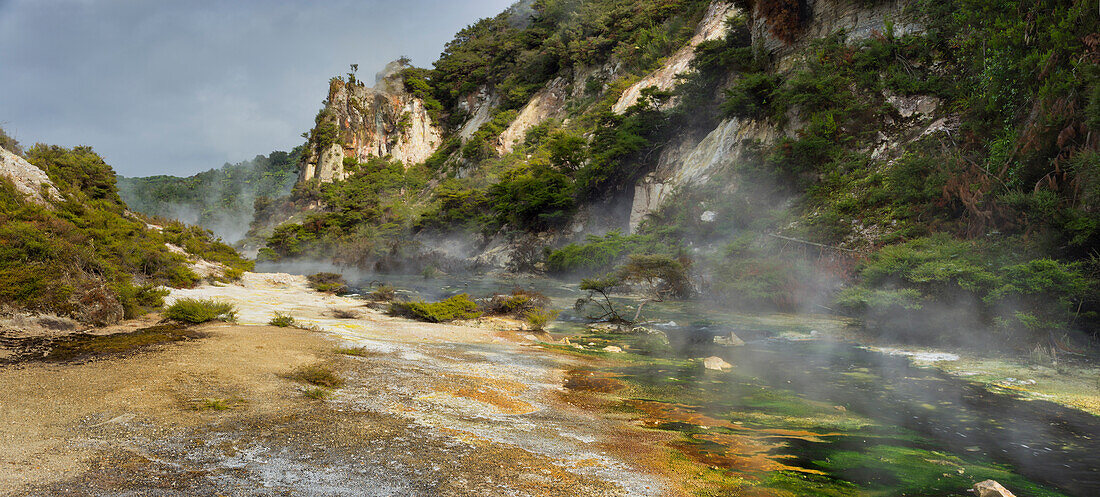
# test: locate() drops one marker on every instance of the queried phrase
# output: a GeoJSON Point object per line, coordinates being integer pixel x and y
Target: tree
{"type": "Point", "coordinates": [657, 277]}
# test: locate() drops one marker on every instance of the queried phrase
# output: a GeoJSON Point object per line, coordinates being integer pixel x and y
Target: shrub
{"type": "Point", "coordinates": [282, 320]}
{"type": "Point", "coordinates": [538, 318]}
{"type": "Point", "coordinates": [457, 307]}
{"type": "Point", "coordinates": [600, 253]}
{"type": "Point", "coordinates": [517, 304]}
{"type": "Point", "coordinates": [196, 311]}
{"type": "Point", "coordinates": [328, 282]}
{"type": "Point", "coordinates": [319, 375]}
{"type": "Point", "coordinates": [345, 313]}
{"type": "Point", "coordinates": [383, 293]}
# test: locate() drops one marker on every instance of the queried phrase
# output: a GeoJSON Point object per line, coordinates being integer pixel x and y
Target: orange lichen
{"type": "Point", "coordinates": [498, 393]}
{"type": "Point", "coordinates": [591, 381]}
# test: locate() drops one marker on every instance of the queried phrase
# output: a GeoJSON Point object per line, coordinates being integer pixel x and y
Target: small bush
{"type": "Point", "coordinates": [345, 314]}
{"type": "Point", "coordinates": [384, 293]}
{"type": "Point", "coordinates": [317, 393]}
{"type": "Point", "coordinates": [537, 319]}
{"type": "Point", "coordinates": [457, 307]}
{"type": "Point", "coordinates": [328, 282]}
{"type": "Point", "coordinates": [319, 375]}
{"type": "Point", "coordinates": [283, 320]}
{"type": "Point", "coordinates": [518, 304]}
{"type": "Point", "coordinates": [197, 311]}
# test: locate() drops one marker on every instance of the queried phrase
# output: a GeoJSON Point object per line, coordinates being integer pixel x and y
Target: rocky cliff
{"type": "Point", "coordinates": [359, 122]}
{"type": "Point", "coordinates": [29, 180]}
{"type": "Point", "coordinates": [693, 157]}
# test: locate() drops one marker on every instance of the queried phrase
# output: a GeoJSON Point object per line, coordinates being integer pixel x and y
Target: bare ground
{"type": "Point", "coordinates": [424, 410]}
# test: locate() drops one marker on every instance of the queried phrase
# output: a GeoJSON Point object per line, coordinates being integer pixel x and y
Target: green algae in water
{"type": "Point", "coordinates": [854, 454]}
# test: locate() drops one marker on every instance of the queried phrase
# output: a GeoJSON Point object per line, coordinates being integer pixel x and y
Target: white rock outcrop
{"type": "Point", "coordinates": [29, 180]}
{"type": "Point", "coordinates": [373, 122]}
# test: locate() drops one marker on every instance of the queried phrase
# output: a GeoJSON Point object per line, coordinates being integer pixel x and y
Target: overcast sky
{"type": "Point", "coordinates": [177, 87]}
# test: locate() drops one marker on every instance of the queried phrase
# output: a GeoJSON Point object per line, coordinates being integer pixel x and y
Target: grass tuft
{"type": "Point", "coordinates": [317, 393]}
{"type": "Point", "coordinates": [318, 375]}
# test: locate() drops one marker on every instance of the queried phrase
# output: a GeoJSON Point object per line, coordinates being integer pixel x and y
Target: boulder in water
{"type": "Point", "coordinates": [716, 363]}
{"type": "Point", "coordinates": [990, 488]}
{"type": "Point", "coordinates": [731, 340]}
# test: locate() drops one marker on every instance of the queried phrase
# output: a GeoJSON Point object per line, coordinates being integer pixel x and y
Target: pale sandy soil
{"type": "Point", "coordinates": [427, 410]}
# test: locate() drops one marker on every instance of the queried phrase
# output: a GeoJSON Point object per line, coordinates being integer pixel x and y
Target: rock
{"type": "Point", "coordinates": [532, 338]}
{"type": "Point", "coordinates": [731, 340]}
{"type": "Point", "coordinates": [28, 179]}
{"type": "Point", "coordinates": [373, 122]}
{"type": "Point", "coordinates": [612, 348]}
{"type": "Point", "coordinates": [708, 216]}
{"type": "Point", "coordinates": [990, 488]}
{"type": "Point", "coordinates": [716, 363]}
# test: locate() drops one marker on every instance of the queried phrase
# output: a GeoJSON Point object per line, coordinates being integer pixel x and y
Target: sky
{"type": "Point", "coordinates": [182, 86]}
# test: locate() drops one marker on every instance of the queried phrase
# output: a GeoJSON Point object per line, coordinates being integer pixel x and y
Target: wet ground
{"type": "Point", "coordinates": [485, 409]}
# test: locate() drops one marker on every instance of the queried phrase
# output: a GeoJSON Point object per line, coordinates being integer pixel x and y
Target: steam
{"type": "Point", "coordinates": [220, 200]}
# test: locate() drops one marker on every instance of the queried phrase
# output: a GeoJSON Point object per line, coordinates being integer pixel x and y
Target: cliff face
{"type": "Point", "coordinates": [371, 122]}
{"type": "Point", "coordinates": [694, 157]}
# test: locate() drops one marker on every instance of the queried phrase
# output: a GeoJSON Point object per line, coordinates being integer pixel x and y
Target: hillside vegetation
{"type": "Point", "coordinates": [937, 172]}
{"type": "Point", "coordinates": [86, 256]}
{"type": "Point", "coordinates": [222, 200]}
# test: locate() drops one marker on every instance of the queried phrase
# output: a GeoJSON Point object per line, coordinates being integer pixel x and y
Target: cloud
{"type": "Point", "coordinates": [181, 87]}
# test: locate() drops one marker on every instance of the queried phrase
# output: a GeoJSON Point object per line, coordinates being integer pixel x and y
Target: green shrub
{"type": "Point", "coordinates": [1008, 290]}
{"type": "Point", "coordinates": [517, 304]}
{"type": "Point", "coordinates": [317, 393]}
{"type": "Point", "coordinates": [601, 253]}
{"type": "Point", "coordinates": [283, 320]}
{"type": "Point", "coordinates": [457, 307]}
{"type": "Point", "coordinates": [196, 311]}
{"type": "Point", "coordinates": [538, 318]}
{"type": "Point", "coordinates": [383, 293]}
{"type": "Point", "coordinates": [328, 282]}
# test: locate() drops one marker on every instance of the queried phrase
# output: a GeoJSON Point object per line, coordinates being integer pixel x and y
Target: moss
{"type": "Point", "coordinates": [90, 346]}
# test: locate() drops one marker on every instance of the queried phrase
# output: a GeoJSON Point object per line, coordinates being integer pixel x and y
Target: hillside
{"type": "Point", "coordinates": [221, 200]}
{"type": "Point", "coordinates": [70, 248]}
{"type": "Point", "coordinates": [923, 165]}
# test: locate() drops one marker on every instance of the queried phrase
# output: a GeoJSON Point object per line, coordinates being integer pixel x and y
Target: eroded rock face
{"type": "Point", "coordinates": [712, 27]}
{"type": "Point", "coordinates": [373, 122]}
{"type": "Point", "coordinates": [548, 103]}
{"type": "Point", "coordinates": [29, 180]}
{"type": "Point", "coordinates": [694, 158]}
{"type": "Point", "coordinates": [857, 18]}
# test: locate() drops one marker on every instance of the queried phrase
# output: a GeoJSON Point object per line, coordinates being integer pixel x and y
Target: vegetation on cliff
{"type": "Point", "coordinates": [856, 206]}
